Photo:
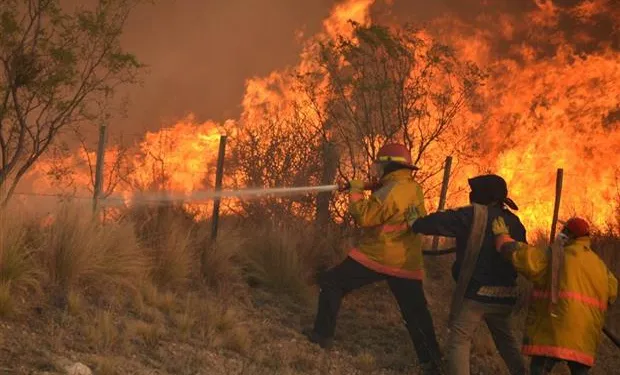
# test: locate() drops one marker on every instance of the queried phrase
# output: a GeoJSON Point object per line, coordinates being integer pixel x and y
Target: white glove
{"type": "Point", "coordinates": [561, 239]}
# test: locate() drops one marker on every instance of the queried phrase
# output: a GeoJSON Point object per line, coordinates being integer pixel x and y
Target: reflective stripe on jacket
{"type": "Point", "coordinates": [572, 329]}
{"type": "Point", "coordinates": [387, 245]}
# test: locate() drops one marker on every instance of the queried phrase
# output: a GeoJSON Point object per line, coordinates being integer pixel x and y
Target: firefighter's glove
{"type": "Point", "coordinates": [561, 239]}
{"type": "Point", "coordinates": [412, 215]}
{"type": "Point", "coordinates": [356, 186]}
{"type": "Point", "coordinates": [502, 235]}
{"type": "Point", "coordinates": [499, 226]}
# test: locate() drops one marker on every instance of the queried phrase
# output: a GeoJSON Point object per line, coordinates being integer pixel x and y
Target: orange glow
{"type": "Point", "coordinates": [537, 115]}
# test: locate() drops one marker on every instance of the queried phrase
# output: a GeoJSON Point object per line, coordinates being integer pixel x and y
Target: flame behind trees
{"type": "Point", "coordinates": [376, 86]}
{"type": "Point", "coordinates": [57, 69]}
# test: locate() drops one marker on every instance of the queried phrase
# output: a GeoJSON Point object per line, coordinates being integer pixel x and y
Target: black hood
{"type": "Point", "coordinates": [488, 189]}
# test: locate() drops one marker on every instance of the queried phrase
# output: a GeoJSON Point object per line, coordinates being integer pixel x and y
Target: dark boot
{"type": "Point", "coordinates": [313, 337]}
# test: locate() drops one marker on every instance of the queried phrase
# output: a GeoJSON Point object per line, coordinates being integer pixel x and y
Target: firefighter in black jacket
{"type": "Point", "coordinates": [486, 282]}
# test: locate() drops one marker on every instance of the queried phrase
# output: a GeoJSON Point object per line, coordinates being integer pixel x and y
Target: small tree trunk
{"type": "Point", "coordinates": [330, 168]}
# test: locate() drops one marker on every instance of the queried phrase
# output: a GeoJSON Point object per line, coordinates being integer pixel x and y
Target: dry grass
{"type": "Point", "coordinates": [365, 362]}
{"type": "Point", "coordinates": [275, 262]}
{"type": "Point", "coordinates": [167, 233]}
{"type": "Point", "coordinates": [186, 320]}
{"type": "Point", "coordinates": [98, 260]}
{"type": "Point", "coordinates": [102, 333]}
{"type": "Point", "coordinates": [19, 274]}
{"type": "Point", "coordinates": [285, 258]}
{"type": "Point", "coordinates": [149, 333]}
{"type": "Point", "coordinates": [107, 366]}
{"type": "Point", "coordinates": [151, 294]}
{"type": "Point", "coordinates": [607, 246]}
{"type": "Point", "coordinates": [220, 261]}
{"type": "Point", "coordinates": [173, 256]}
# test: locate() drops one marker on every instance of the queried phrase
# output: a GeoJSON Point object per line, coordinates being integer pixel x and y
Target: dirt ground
{"type": "Point", "coordinates": [257, 333]}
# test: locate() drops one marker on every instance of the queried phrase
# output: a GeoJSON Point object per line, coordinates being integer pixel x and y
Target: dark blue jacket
{"type": "Point", "coordinates": [492, 270]}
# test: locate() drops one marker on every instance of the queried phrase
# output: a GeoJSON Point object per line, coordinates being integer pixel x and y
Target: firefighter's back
{"type": "Point", "coordinates": [572, 329]}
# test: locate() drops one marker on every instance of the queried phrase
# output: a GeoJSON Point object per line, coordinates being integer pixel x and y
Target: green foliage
{"type": "Point", "coordinates": [61, 69]}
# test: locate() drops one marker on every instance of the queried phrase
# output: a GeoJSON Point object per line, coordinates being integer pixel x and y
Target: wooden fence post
{"type": "Point", "coordinates": [556, 207]}
{"type": "Point", "coordinates": [218, 186]}
{"type": "Point", "coordinates": [443, 194]}
{"type": "Point", "coordinates": [556, 210]}
{"type": "Point", "coordinates": [99, 167]}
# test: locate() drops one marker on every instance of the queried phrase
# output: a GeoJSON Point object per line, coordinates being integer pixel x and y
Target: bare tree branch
{"type": "Point", "coordinates": [56, 65]}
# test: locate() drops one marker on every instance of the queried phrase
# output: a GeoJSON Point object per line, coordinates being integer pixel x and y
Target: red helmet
{"type": "Point", "coordinates": [396, 153]}
{"type": "Point", "coordinates": [576, 227]}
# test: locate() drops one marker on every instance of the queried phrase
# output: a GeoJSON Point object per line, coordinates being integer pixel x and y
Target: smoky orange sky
{"type": "Point", "coordinates": [550, 100]}
{"type": "Point", "coordinates": [200, 53]}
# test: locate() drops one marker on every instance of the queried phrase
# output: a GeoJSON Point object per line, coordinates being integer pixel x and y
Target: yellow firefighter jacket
{"type": "Point", "coordinates": [571, 330]}
{"type": "Point", "coordinates": [387, 244]}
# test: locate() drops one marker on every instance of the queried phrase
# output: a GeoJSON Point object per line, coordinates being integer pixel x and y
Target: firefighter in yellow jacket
{"type": "Point", "coordinates": [387, 250]}
{"type": "Point", "coordinates": [568, 329]}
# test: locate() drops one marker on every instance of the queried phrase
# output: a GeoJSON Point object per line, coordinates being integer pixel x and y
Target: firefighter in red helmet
{"type": "Point", "coordinates": [565, 319]}
{"type": "Point", "coordinates": [388, 251]}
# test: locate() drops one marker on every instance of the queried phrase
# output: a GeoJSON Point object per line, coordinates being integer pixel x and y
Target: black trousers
{"type": "Point", "coordinates": [544, 365]}
{"type": "Point", "coordinates": [350, 275]}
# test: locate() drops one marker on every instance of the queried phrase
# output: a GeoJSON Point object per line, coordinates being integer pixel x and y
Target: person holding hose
{"type": "Point", "coordinates": [486, 288]}
{"type": "Point", "coordinates": [572, 291]}
{"type": "Point", "coordinates": [386, 251]}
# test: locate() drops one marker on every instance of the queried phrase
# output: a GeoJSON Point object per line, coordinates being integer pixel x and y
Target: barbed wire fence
{"type": "Point", "coordinates": [165, 198]}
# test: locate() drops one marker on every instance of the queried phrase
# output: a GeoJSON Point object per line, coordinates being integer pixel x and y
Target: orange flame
{"type": "Point", "coordinates": [538, 114]}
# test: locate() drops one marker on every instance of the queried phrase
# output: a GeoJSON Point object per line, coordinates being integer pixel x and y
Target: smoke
{"type": "Point", "coordinates": [586, 25]}
{"type": "Point", "coordinates": [200, 54]}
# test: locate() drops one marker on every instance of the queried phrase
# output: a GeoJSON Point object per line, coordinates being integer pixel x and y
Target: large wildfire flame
{"type": "Point", "coordinates": [542, 109]}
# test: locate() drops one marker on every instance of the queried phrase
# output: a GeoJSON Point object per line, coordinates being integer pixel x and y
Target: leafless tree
{"type": "Point", "coordinates": [57, 69]}
{"type": "Point", "coordinates": [273, 153]}
{"type": "Point", "coordinates": [151, 162]}
{"type": "Point", "coordinates": [394, 85]}
{"type": "Point", "coordinates": [380, 85]}
{"type": "Point", "coordinates": [115, 170]}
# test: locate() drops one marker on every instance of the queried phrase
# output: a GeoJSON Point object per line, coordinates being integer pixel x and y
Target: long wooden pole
{"type": "Point", "coordinates": [556, 210]}
{"type": "Point", "coordinates": [443, 194]}
{"type": "Point", "coordinates": [99, 167]}
{"type": "Point", "coordinates": [556, 206]}
{"type": "Point", "coordinates": [557, 253]}
{"type": "Point", "coordinates": [218, 186]}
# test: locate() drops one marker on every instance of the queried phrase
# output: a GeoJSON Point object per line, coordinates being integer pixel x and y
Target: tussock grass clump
{"type": "Point", "coordinates": [173, 256]}
{"type": "Point", "coordinates": [186, 320]}
{"type": "Point", "coordinates": [213, 322]}
{"type": "Point", "coordinates": [19, 271]}
{"type": "Point", "coordinates": [102, 332]}
{"type": "Point", "coordinates": [168, 234]}
{"type": "Point", "coordinates": [287, 257]}
{"type": "Point", "coordinates": [220, 264]}
{"type": "Point", "coordinates": [274, 260]}
{"type": "Point", "coordinates": [84, 255]}
{"type": "Point", "coordinates": [148, 333]}
{"type": "Point", "coordinates": [365, 362]}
